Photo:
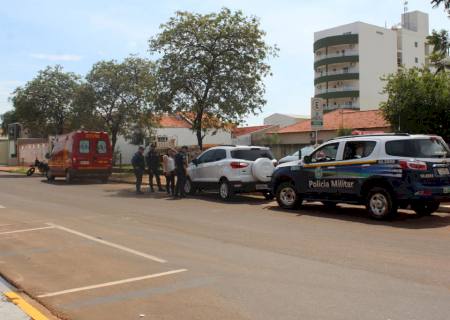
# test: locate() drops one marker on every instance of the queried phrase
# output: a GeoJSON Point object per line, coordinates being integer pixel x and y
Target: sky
{"type": "Point", "coordinates": [76, 34]}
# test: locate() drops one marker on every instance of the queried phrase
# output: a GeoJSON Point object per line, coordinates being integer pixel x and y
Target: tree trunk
{"type": "Point", "coordinates": [199, 138]}
{"type": "Point", "coordinates": [113, 145]}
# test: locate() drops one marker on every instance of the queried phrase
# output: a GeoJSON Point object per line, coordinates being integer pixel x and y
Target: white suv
{"type": "Point", "coordinates": [232, 169]}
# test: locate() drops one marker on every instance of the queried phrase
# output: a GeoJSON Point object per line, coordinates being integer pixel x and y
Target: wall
{"type": "Point", "coordinates": [377, 57]}
{"type": "Point", "coordinates": [31, 148]}
{"type": "Point", "coordinates": [243, 140]}
{"type": "Point", "coordinates": [4, 147]}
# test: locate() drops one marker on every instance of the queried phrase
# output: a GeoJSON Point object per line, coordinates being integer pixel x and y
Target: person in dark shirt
{"type": "Point", "coordinates": [153, 164]}
{"type": "Point", "coordinates": [138, 163]}
{"type": "Point", "coordinates": [180, 171]}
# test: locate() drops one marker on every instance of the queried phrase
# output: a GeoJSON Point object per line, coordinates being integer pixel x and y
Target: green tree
{"type": "Point", "coordinates": [418, 102]}
{"type": "Point", "coordinates": [446, 3]}
{"type": "Point", "coordinates": [440, 42]}
{"type": "Point", "coordinates": [211, 67]}
{"type": "Point", "coordinates": [344, 132]}
{"type": "Point", "coordinates": [7, 118]}
{"type": "Point", "coordinates": [44, 104]}
{"type": "Point", "coordinates": [121, 94]}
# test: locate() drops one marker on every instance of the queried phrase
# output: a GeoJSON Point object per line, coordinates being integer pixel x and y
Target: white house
{"type": "Point", "coordinates": [283, 120]}
{"type": "Point", "coordinates": [174, 131]}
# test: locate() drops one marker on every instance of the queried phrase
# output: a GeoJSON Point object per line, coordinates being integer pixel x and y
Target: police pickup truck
{"type": "Point", "coordinates": [383, 172]}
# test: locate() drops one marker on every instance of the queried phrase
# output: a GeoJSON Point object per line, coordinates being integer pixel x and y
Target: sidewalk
{"type": "Point", "coordinates": [8, 310]}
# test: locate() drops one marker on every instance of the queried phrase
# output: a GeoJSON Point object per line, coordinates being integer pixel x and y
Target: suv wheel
{"type": "Point", "coordinates": [425, 208]}
{"type": "Point", "coordinates": [189, 187]}
{"type": "Point", "coordinates": [225, 190]}
{"type": "Point", "coordinates": [380, 204]}
{"type": "Point", "coordinates": [287, 197]}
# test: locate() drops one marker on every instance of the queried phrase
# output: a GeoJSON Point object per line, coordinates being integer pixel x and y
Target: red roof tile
{"type": "Point", "coordinates": [342, 118]}
{"type": "Point", "coordinates": [240, 131]}
{"type": "Point", "coordinates": [173, 121]}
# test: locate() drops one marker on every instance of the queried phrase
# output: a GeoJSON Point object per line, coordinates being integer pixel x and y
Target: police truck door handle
{"type": "Point", "coordinates": [332, 167]}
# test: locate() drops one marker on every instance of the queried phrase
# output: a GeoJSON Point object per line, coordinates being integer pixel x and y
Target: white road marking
{"type": "Point", "coordinates": [26, 230]}
{"type": "Point", "coordinates": [113, 283]}
{"type": "Point", "coordinates": [107, 243]}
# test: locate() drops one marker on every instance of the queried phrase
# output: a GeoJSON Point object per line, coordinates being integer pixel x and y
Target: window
{"type": "Point", "coordinates": [358, 149]}
{"type": "Point", "coordinates": [219, 154]}
{"type": "Point", "coordinates": [101, 147]}
{"type": "Point", "coordinates": [208, 156]}
{"type": "Point", "coordinates": [416, 60]}
{"type": "Point", "coordinates": [251, 154]}
{"type": "Point", "coordinates": [416, 44]}
{"type": "Point", "coordinates": [326, 153]}
{"type": "Point", "coordinates": [84, 146]}
{"type": "Point", "coordinates": [162, 139]}
{"type": "Point", "coordinates": [418, 148]}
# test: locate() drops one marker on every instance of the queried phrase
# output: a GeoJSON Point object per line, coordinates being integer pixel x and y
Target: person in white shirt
{"type": "Point", "coordinates": [169, 171]}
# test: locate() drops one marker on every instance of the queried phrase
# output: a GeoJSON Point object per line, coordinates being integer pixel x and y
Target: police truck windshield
{"type": "Point", "coordinates": [418, 148]}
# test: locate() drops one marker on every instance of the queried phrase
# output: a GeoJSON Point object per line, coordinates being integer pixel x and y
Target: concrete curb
{"type": "Point", "coordinates": [32, 312]}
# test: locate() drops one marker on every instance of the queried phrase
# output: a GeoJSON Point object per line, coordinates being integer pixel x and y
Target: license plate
{"type": "Point", "coordinates": [446, 190]}
{"type": "Point", "coordinates": [443, 171]}
{"type": "Point", "coordinates": [261, 186]}
{"type": "Point", "coordinates": [84, 162]}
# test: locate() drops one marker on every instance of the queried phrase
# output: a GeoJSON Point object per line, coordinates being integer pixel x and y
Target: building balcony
{"type": "Point", "coordinates": [335, 54]}
{"type": "Point", "coordinates": [341, 92]}
{"type": "Point", "coordinates": [331, 107]}
{"type": "Point", "coordinates": [350, 74]}
{"type": "Point", "coordinates": [335, 40]}
{"type": "Point", "coordinates": [350, 56]}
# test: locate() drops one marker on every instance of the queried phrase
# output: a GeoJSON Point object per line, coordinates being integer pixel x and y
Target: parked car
{"type": "Point", "coordinates": [232, 169]}
{"type": "Point", "coordinates": [80, 154]}
{"type": "Point", "coordinates": [305, 151]}
{"type": "Point", "coordinates": [384, 172]}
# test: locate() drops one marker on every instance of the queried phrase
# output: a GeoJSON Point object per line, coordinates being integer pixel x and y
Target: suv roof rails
{"type": "Point", "coordinates": [402, 134]}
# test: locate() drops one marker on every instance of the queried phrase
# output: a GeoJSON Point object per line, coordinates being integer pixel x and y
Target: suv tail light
{"type": "Point", "coordinates": [74, 160]}
{"type": "Point", "coordinates": [238, 165]}
{"type": "Point", "coordinates": [413, 165]}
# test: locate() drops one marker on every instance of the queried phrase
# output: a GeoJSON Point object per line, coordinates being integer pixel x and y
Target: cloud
{"type": "Point", "coordinates": [56, 57]}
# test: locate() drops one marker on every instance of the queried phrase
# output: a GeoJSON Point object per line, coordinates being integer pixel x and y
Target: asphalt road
{"type": "Point", "coordinates": [92, 251]}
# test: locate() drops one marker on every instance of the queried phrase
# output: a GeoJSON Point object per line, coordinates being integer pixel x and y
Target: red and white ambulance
{"type": "Point", "coordinates": [80, 154]}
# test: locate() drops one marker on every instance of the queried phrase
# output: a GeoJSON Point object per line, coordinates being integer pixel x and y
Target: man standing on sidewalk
{"type": "Point", "coordinates": [153, 163]}
{"type": "Point", "coordinates": [138, 163]}
{"type": "Point", "coordinates": [180, 171]}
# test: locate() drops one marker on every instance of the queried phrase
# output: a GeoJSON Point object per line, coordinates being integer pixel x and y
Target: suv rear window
{"type": "Point", "coordinates": [251, 154]}
{"type": "Point", "coordinates": [418, 148]}
{"type": "Point", "coordinates": [101, 147]}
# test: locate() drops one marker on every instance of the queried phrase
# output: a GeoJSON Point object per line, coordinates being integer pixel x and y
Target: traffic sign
{"type": "Point", "coordinates": [316, 114]}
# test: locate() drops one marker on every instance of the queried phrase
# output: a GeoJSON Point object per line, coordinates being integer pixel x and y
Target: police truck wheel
{"type": "Point", "coordinates": [225, 190]}
{"type": "Point", "coordinates": [189, 187]}
{"type": "Point", "coordinates": [329, 204]}
{"type": "Point", "coordinates": [287, 197]}
{"type": "Point", "coordinates": [380, 204]}
{"type": "Point", "coordinates": [425, 208]}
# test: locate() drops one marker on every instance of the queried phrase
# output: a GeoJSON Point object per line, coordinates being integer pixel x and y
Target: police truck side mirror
{"type": "Point", "coordinates": [300, 154]}
{"type": "Point", "coordinates": [195, 162]}
{"type": "Point", "coordinates": [47, 156]}
{"type": "Point", "coordinates": [307, 159]}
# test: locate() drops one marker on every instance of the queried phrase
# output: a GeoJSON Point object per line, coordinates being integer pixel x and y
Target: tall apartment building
{"type": "Point", "coordinates": [349, 60]}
